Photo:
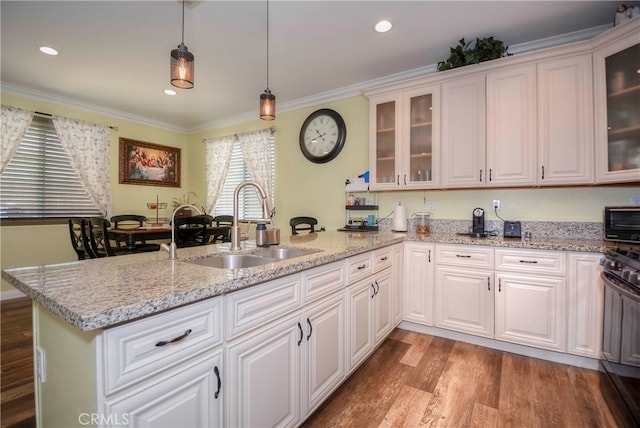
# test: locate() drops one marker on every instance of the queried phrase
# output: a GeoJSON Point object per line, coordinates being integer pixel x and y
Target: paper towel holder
{"type": "Point", "coordinates": [399, 218]}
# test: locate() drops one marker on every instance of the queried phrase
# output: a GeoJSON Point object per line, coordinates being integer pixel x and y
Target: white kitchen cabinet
{"type": "Point", "coordinates": [463, 154]}
{"type": "Point", "coordinates": [264, 376]}
{"type": "Point", "coordinates": [186, 396]}
{"type": "Point", "coordinates": [530, 297]}
{"type": "Point", "coordinates": [464, 300]}
{"type": "Point", "coordinates": [584, 304]}
{"type": "Point", "coordinates": [360, 329]}
{"type": "Point", "coordinates": [464, 289]}
{"type": "Point", "coordinates": [417, 289]}
{"type": "Point", "coordinates": [617, 101]}
{"type": "Point", "coordinates": [565, 115]}
{"type": "Point", "coordinates": [382, 316]}
{"type": "Point", "coordinates": [397, 284]}
{"type": "Point", "coordinates": [404, 139]}
{"type": "Point", "coordinates": [511, 126]}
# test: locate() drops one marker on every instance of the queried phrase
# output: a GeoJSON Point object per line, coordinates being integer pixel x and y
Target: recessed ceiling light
{"type": "Point", "coordinates": [48, 50]}
{"type": "Point", "coordinates": [169, 92]}
{"type": "Point", "coordinates": [383, 26]}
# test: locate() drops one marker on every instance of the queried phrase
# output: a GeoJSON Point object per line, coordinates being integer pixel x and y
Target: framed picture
{"type": "Point", "coordinates": [149, 164]}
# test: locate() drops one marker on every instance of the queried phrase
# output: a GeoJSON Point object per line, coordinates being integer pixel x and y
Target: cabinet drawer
{"type": "Point", "coordinates": [532, 261]}
{"type": "Point", "coordinates": [137, 350]}
{"type": "Point", "coordinates": [464, 255]}
{"type": "Point", "coordinates": [382, 259]}
{"type": "Point", "coordinates": [250, 308]}
{"type": "Point", "coordinates": [323, 280]}
{"type": "Point", "coordinates": [359, 266]}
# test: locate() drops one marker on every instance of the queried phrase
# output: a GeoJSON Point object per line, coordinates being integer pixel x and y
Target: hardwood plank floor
{"type": "Point", "coordinates": [416, 380]}
{"type": "Point", "coordinates": [17, 407]}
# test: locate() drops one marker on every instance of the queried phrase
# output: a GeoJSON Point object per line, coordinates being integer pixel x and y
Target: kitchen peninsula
{"type": "Point", "coordinates": [140, 338]}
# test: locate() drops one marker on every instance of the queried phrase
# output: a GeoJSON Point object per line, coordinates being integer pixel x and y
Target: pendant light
{"type": "Point", "coordinates": [267, 99]}
{"type": "Point", "coordinates": [182, 63]}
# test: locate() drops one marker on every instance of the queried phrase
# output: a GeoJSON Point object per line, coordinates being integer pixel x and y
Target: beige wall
{"type": "Point", "coordinates": [302, 187]}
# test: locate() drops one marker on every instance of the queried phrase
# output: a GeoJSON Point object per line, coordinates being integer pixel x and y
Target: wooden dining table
{"type": "Point", "coordinates": [132, 235]}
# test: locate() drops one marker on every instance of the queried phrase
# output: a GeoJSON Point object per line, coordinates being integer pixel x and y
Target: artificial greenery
{"type": "Point", "coordinates": [484, 49]}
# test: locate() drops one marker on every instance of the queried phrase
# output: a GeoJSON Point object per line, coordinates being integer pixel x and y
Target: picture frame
{"type": "Point", "coordinates": [148, 164]}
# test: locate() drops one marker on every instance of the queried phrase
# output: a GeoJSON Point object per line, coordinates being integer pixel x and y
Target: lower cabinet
{"type": "Point", "coordinates": [186, 396]}
{"type": "Point", "coordinates": [417, 285]}
{"type": "Point", "coordinates": [281, 373]}
{"type": "Point", "coordinates": [464, 300]}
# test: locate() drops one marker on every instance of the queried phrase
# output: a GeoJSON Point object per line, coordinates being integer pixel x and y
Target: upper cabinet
{"type": "Point", "coordinates": [525, 120]}
{"type": "Point", "coordinates": [404, 139]}
{"type": "Point", "coordinates": [617, 100]}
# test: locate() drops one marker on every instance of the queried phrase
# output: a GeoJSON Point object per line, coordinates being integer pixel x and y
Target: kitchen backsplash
{"type": "Point", "coordinates": [538, 229]}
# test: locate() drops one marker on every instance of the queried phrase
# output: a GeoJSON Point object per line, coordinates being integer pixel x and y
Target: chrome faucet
{"type": "Point", "coordinates": [172, 248]}
{"type": "Point", "coordinates": [267, 211]}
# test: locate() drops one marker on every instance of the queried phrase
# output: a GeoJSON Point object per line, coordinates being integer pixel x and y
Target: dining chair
{"type": "Point", "coordinates": [225, 236]}
{"type": "Point", "coordinates": [192, 231]}
{"type": "Point", "coordinates": [132, 221]}
{"type": "Point", "coordinates": [302, 223]}
{"type": "Point", "coordinates": [79, 233]}
{"type": "Point", "coordinates": [99, 238]}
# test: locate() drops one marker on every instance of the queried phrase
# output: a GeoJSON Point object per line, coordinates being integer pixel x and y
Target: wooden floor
{"type": "Point", "coordinates": [412, 380]}
{"type": "Point", "coordinates": [416, 380]}
{"type": "Point", "coordinates": [16, 364]}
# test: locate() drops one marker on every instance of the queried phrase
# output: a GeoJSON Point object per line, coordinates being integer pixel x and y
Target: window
{"type": "Point", "coordinates": [39, 181]}
{"type": "Point", "coordinates": [249, 206]}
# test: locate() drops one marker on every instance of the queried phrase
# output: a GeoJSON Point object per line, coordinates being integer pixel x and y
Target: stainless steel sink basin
{"type": "Point", "coordinates": [234, 261]}
{"type": "Point", "coordinates": [282, 253]}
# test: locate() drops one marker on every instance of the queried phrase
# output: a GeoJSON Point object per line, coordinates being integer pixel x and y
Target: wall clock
{"type": "Point", "coordinates": [322, 135]}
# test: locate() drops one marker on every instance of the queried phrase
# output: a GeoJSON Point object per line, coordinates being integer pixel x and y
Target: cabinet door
{"type": "Point", "coordinates": [530, 310]}
{"type": "Point", "coordinates": [565, 114]}
{"type": "Point", "coordinates": [384, 140]}
{"type": "Point", "coordinates": [464, 300]}
{"type": "Point", "coordinates": [463, 132]}
{"type": "Point", "coordinates": [420, 138]}
{"type": "Point", "coordinates": [511, 126]}
{"type": "Point", "coordinates": [397, 284]}
{"type": "Point", "coordinates": [264, 377]}
{"type": "Point", "coordinates": [418, 283]}
{"type": "Point", "coordinates": [324, 363]}
{"type": "Point", "coordinates": [189, 395]}
{"type": "Point", "coordinates": [584, 305]}
{"type": "Point", "coordinates": [360, 308]}
{"type": "Point", "coordinates": [617, 102]}
{"type": "Point", "coordinates": [382, 305]}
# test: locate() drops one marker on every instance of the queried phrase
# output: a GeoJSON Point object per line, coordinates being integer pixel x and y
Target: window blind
{"type": "Point", "coordinates": [39, 181]}
{"type": "Point", "coordinates": [249, 206]}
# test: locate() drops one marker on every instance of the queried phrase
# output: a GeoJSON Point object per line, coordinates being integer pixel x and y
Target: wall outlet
{"type": "Point", "coordinates": [41, 365]}
{"type": "Point", "coordinates": [431, 205]}
{"type": "Point", "coordinates": [496, 204]}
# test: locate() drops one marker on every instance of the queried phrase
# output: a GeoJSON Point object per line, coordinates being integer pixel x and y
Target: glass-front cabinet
{"type": "Point", "coordinates": [617, 85]}
{"type": "Point", "coordinates": [404, 136]}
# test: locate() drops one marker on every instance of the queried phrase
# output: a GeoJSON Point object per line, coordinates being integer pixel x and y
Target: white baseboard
{"type": "Point", "coordinates": [11, 294]}
{"type": "Point", "coordinates": [556, 357]}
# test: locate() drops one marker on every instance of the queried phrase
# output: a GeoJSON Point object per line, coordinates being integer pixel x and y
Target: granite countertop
{"type": "Point", "coordinates": [98, 293]}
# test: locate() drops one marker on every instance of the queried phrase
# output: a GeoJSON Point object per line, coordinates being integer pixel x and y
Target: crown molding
{"type": "Point", "coordinates": [92, 108]}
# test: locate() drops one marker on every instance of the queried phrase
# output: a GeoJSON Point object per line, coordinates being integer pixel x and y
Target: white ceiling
{"type": "Point", "coordinates": [114, 55]}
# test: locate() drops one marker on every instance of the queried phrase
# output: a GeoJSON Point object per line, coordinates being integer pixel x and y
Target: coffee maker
{"type": "Point", "coordinates": [477, 224]}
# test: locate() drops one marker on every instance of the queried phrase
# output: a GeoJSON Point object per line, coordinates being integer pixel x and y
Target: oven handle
{"type": "Point", "coordinates": [609, 280]}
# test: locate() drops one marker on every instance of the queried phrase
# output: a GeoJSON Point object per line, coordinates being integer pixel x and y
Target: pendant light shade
{"type": "Point", "coordinates": [182, 70]}
{"type": "Point", "coordinates": [267, 105]}
{"type": "Point", "coordinates": [267, 99]}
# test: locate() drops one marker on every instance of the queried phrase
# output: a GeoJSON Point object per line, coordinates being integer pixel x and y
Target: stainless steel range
{"type": "Point", "coordinates": [620, 381]}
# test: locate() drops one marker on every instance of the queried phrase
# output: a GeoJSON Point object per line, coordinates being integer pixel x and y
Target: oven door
{"type": "Point", "coordinates": [621, 350]}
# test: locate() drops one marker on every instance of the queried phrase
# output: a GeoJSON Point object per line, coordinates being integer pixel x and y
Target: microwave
{"type": "Point", "coordinates": [622, 224]}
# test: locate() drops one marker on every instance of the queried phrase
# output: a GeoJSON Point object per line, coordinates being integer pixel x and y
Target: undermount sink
{"type": "Point", "coordinates": [283, 252]}
{"type": "Point", "coordinates": [233, 261]}
{"type": "Point", "coordinates": [258, 257]}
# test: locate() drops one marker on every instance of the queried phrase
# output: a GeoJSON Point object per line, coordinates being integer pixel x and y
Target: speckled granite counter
{"type": "Point", "coordinates": [98, 293]}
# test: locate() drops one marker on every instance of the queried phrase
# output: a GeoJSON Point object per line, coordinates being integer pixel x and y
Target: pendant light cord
{"type": "Point", "coordinates": [267, 44]}
{"type": "Point", "coordinates": [183, 22]}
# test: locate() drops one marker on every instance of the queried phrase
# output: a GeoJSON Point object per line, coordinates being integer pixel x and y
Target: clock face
{"type": "Point", "coordinates": [322, 136]}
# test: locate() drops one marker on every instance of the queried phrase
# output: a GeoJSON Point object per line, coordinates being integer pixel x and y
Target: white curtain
{"type": "Point", "coordinates": [256, 149]}
{"type": "Point", "coordinates": [217, 157]}
{"type": "Point", "coordinates": [15, 122]}
{"type": "Point", "coordinates": [87, 145]}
